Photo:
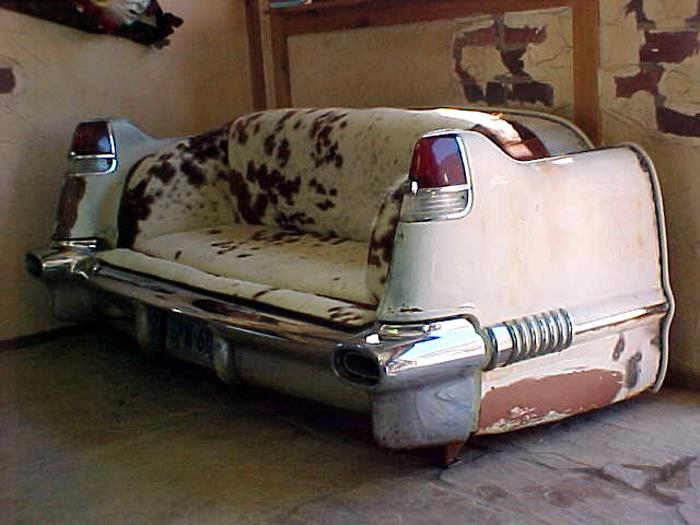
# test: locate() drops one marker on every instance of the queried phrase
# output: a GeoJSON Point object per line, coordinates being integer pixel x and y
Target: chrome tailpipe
{"type": "Point", "coordinates": [64, 266]}
{"type": "Point", "coordinates": [69, 259]}
{"type": "Point", "coordinates": [424, 380]}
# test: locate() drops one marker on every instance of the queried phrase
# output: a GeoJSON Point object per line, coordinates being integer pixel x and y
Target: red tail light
{"type": "Point", "coordinates": [437, 162]}
{"type": "Point", "coordinates": [92, 138]}
{"type": "Point", "coordinates": [439, 182]}
{"type": "Point", "coordinates": [92, 148]}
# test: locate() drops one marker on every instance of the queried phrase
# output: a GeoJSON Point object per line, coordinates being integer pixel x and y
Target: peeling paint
{"type": "Point", "coordinates": [659, 50]}
{"type": "Point", "coordinates": [534, 401]}
{"type": "Point", "coordinates": [512, 44]}
{"type": "Point", "coordinates": [514, 58]}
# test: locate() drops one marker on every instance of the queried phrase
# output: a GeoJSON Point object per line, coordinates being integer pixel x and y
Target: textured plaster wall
{"type": "Point", "coordinates": [52, 76]}
{"type": "Point", "coordinates": [649, 88]}
{"type": "Point", "coordinates": [520, 59]}
{"type": "Point", "coordinates": [650, 94]}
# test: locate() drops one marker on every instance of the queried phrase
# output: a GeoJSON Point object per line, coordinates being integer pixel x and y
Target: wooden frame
{"type": "Point", "coordinates": [334, 15]}
{"type": "Point", "coordinates": [258, 93]}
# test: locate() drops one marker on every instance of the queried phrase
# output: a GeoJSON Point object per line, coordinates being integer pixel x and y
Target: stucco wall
{"type": "Point", "coordinates": [520, 59]}
{"type": "Point", "coordinates": [63, 76]}
{"type": "Point", "coordinates": [650, 94]}
{"type": "Point", "coordinates": [649, 87]}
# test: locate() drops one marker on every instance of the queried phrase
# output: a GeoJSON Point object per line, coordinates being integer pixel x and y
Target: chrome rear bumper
{"type": "Point", "coordinates": [420, 382]}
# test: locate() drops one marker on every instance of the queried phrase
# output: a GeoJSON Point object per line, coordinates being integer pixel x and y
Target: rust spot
{"type": "Point", "coordinates": [523, 144]}
{"type": "Point", "coordinates": [72, 194]}
{"type": "Point", "coordinates": [619, 348]}
{"type": "Point", "coordinates": [532, 401]}
{"type": "Point", "coordinates": [633, 370]}
{"type": "Point", "coordinates": [7, 80]}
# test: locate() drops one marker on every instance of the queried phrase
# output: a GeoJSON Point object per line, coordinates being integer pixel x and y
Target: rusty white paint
{"type": "Point", "coordinates": [557, 233]}
{"type": "Point", "coordinates": [577, 232]}
{"type": "Point", "coordinates": [596, 354]}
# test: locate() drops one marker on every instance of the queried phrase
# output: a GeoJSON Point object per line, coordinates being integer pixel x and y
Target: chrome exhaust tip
{"type": "Point", "coordinates": [357, 367]}
{"type": "Point", "coordinates": [63, 260]}
{"type": "Point", "coordinates": [423, 379]}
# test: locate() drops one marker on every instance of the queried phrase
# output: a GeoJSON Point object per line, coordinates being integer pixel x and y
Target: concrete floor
{"type": "Point", "coordinates": [91, 432]}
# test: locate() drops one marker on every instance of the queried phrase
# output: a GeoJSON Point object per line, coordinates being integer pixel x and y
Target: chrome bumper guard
{"type": "Point", "coordinates": [420, 382]}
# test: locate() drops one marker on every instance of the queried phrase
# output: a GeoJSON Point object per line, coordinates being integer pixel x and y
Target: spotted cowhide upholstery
{"type": "Point", "coordinates": [296, 199]}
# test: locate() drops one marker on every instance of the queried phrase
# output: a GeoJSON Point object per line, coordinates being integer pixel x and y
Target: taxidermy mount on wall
{"type": "Point", "coordinates": [142, 21]}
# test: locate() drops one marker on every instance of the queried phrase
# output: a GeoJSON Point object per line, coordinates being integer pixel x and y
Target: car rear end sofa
{"type": "Point", "coordinates": [450, 271]}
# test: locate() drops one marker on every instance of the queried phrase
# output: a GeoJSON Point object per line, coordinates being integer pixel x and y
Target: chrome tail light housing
{"type": "Point", "coordinates": [439, 185]}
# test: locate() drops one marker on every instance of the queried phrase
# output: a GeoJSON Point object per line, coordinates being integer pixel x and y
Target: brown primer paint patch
{"type": "Point", "coordinates": [529, 401]}
{"type": "Point", "coordinates": [72, 194]}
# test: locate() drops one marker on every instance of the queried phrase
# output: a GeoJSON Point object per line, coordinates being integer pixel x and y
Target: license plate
{"type": "Point", "coordinates": [188, 338]}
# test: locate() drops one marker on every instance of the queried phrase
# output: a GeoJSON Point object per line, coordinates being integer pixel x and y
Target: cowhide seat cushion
{"type": "Point", "coordinates": [320, 264]}
{"type": "Point", "coordinates": [329, 178]}
{"type": "Point", "coordinates": [308, 304]}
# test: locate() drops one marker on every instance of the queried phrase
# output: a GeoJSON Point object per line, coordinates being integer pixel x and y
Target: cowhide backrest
{"type": "Point", "coordinates": [178, 188]}
{"type": "Point", "coordinates": [324, 170]}
{"type": "Point", "coordinates": [321, 170]}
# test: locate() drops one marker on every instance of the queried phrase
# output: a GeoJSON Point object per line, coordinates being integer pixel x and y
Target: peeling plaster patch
{"type": "Point", "coordinates": [7, 80]}
{"type": "Point", "coordinates": [534, 401]}
{"type": "Point", "coordinates": [523, 57]}
{"type": "Point", "coordinates": [672, 50]}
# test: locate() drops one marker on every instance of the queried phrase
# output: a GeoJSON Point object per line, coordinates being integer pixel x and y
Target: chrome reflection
{"type": "Point", "coordinates": [400, 356]}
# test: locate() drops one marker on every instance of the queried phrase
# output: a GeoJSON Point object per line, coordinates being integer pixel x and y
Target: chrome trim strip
{"type": "Point", "coordinates": [556, 330]}
{"type": "Point", "coordinates": [611, 321]}
{"type": "Point", "coordinates": [73, 156]}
